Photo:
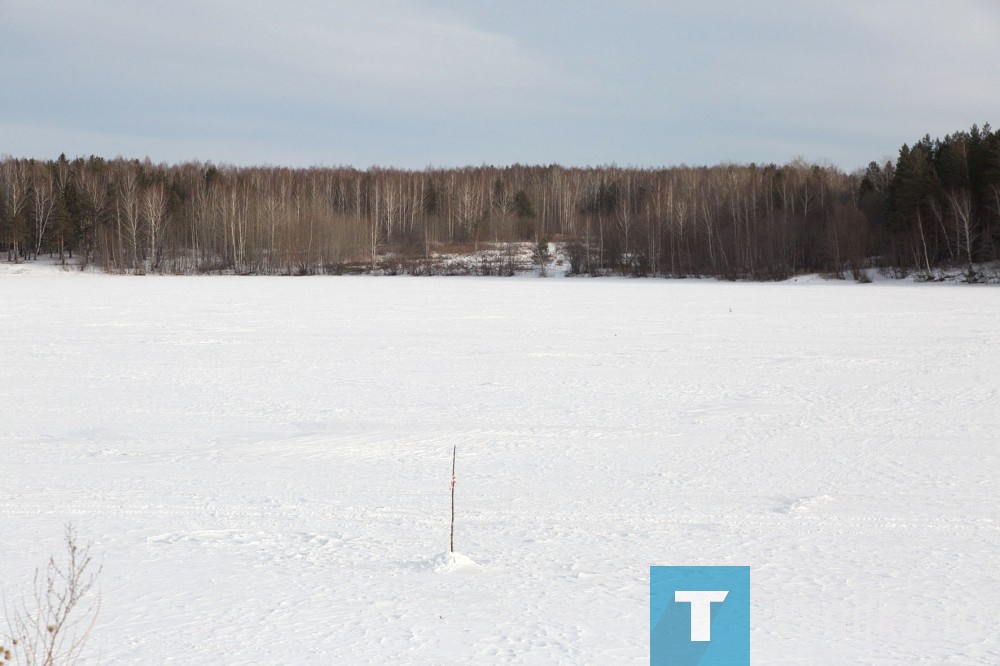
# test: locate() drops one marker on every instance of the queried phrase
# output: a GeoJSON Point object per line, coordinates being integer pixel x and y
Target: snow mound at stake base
{"type": "Point", "coordinates": [451, 562]}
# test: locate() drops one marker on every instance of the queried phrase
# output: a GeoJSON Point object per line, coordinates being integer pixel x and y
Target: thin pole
{"type": "Point", "coordinates": [454, 452]}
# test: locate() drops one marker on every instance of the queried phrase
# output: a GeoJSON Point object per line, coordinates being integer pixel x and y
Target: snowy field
{"type": "Point", "coordinates": [263, 463]}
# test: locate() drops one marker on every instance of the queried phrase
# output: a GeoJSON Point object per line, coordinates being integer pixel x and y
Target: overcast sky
{"type": "Point", "coordinates": [411, 83]}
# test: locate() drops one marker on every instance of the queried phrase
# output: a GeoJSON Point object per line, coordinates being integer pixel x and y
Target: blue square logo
{"type": "Point", "coordinates": [699, 616]}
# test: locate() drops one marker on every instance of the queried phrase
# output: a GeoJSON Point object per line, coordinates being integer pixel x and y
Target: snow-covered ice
{"type": "Point", "coordinates": [264, 463]}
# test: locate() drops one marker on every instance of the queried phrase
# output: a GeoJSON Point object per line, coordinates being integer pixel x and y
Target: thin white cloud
{"type": "Point", "coordinates": [410, 82]}
{"type": "Point", "coordinates": [342, 53]}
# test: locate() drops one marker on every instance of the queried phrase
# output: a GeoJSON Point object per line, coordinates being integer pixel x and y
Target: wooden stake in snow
{"type": "Point", "coordinates": [454, 452]}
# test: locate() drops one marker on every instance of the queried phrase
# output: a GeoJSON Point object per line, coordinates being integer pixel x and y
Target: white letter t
{"type": "Point", "coordinates": [701, 610]}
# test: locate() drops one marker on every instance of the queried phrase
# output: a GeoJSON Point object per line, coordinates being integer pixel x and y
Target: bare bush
{"type": "Point", "coordinates": [50, 626]}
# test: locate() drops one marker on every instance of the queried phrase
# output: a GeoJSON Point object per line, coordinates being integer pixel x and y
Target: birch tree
{"type": "Point", "coordinates": [43, 197]}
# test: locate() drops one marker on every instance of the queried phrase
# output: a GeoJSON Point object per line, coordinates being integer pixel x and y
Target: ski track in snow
{"type": "Point", "coordinates": [263, 463]}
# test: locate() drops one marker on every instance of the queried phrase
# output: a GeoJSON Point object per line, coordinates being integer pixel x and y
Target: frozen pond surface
{"type": "Point", "coordinates": [263, 463]}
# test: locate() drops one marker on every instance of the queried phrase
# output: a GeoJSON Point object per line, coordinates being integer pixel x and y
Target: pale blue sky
{"type": "Point", "coordinates": [412, 83]}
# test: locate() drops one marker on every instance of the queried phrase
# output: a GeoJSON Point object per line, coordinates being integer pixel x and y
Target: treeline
{"type": "Point", "coordinates": [938, 205]}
